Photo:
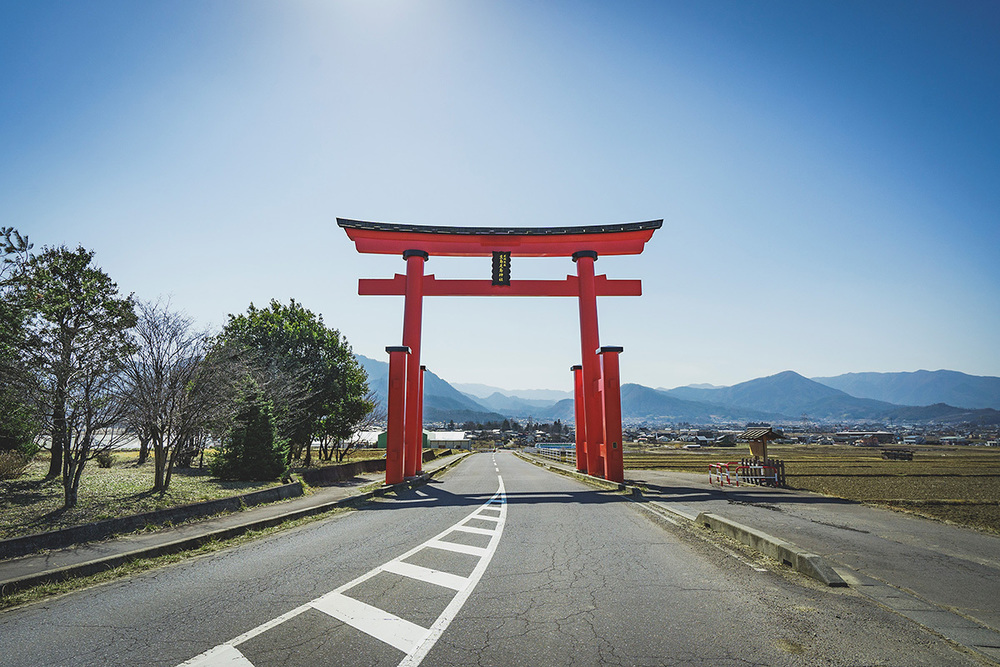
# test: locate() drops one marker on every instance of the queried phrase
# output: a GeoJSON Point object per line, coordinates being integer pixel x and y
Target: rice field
{"type": "Point", "coordinates": [956, 484]}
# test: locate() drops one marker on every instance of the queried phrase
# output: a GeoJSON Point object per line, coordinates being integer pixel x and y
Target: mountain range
{"type": "Point", "coordinates": [918, 397]}
{"type": "Point", "coordinates": [921, 388]}
{"type": "Point", "coordinates": [442, 402]}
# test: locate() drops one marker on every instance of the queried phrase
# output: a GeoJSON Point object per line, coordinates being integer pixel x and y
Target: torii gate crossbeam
{"type": "Point", "coordinates": [596, 379]}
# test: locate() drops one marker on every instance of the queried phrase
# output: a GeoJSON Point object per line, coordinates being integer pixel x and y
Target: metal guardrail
{"type": "Point", "coordinates": [557, 454]}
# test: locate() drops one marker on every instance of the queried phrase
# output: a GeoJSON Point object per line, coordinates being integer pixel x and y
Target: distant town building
{"type": "Point", "coordinates": [865, 437]}
{"type": "Point", "coordinates": [447, 440]}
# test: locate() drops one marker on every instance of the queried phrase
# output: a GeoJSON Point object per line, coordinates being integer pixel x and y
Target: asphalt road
{"type": "Point", "coordinates": [497, 563]}
{"type": "Point", "coordinates": [953, 568]}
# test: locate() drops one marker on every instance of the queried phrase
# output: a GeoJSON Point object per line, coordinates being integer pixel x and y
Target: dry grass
{"type": "Point", "coordinates": [957, 484]}
{"type": "Point", "coordinates": [12, 465]}
{"type": "Point", "coordinates": [30, 504]}
{"type": "Point", "coordinates": [356, 455]}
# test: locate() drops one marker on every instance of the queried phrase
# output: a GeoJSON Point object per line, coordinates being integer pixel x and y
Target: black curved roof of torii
{"type": "Point", "coordinates": [347, 223]}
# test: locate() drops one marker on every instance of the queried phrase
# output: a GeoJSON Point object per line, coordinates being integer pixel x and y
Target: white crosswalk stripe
{"type": "Point", "coordinates": [456, 547]}
{"type": "Point", "coordinates": [427, 574]}
{"type": "Point", "coordinates": [373, 621]}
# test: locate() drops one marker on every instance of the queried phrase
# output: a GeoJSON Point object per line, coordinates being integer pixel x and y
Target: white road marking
{"type": "Point", "coordinates": [221, 656]}
{"type": "Point", "coordinates": [474, 530]}
{"type": "Point", "coordinates": [410, 638]}
{"type": "Point", "coordinates": [420, 573]}
{"type": "Point", "coordinates": [378, 623]}
{"type": "Point", "coordinates": [449, 613]}
{"type": "Point", "coordinates": [455, 546]}
{"type": "Point", "coordinates": [225, 654]}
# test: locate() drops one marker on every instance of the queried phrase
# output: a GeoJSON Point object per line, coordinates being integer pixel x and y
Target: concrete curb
{"type": "Point", "coordinates": [108, 528]}
{"type": "Point", "coordinates": [681, 512]}
{"type": "Point", "coordinates": [584, 477]}
{"type": "Point", "coordinates": [798, 559]}
{"type": "Point", "coordinates": [109, 562]}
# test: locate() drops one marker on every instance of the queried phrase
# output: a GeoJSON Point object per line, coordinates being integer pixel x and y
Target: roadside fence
{"type": "Point", "coordinates": [769, 472]}
{"type": "Point", "coordinates": [558, 454]}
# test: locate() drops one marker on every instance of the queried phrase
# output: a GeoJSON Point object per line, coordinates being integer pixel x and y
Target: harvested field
{"type": "Point", "coordinates": [957, 484]}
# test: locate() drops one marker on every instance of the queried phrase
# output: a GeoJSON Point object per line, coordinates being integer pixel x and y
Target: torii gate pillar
{"type": "Point", "coordinates": [580, 419]}
{"type": "Point", "coordinates": [396, 412]}
{"type": "Point", "coordinates": [589, 342]}
{"type": "Point", "coordinates": [412, 317]}
{"type": "Point", "coordinates": [611, 394]}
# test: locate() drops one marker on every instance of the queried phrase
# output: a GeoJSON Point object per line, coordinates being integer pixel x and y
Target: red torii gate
{"type": "Point", "coordinates": [596, 380]}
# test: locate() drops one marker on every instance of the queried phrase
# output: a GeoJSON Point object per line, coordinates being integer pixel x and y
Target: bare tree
{"type": "Point", "coordinates": [95, 416]}
{"type": "Point", "coordinates": [333, 447]}
{"type": "Point", "coordinates": [176, 389]}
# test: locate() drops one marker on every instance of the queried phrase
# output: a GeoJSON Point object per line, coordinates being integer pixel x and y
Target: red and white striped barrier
{"type": "Point", "coordinates": [732, 473]}
{"type": "Point", "coordinates": [721, 473]}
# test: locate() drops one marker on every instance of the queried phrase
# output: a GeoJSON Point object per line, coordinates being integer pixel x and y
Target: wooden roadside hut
{"type": "Point", "coordinates": [758, 437]}
{"type": "Point", "coordinates": [760, 469]}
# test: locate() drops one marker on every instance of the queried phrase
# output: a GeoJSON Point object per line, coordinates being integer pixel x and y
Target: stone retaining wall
{"type": "Point", "coordinates": [338, 473]}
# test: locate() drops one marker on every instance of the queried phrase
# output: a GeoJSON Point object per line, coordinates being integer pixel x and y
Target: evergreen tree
{"type": "Point", "coordinates": [250, 448]}
{"type": "Point", "coordinates": [293, 341]}
{"type": "Point", "coordinates": [19, 419]}
{"type": "Point", "coordinates": [76, 338]}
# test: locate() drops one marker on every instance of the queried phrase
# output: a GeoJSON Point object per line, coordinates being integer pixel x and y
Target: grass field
{"type": "Point", "coordinates": [30, 504]}
{"type": "Point", "coordinates": [957, 484]}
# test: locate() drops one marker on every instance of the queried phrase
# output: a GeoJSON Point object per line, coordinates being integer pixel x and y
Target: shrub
{"type": "Point", "coordinates": [250, 449]}
{"type": "Point", "coordinates": [29, 449]}
{"type": "Point", "coordinates": [105, 460]}
{"type": "Point", "coordinates": [19, 425]}
{"type": "Point", "coordinates": [12, 464]}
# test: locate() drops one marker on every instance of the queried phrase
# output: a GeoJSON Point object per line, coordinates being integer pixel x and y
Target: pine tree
{"type": "Point", "coordinates": [250, 449]}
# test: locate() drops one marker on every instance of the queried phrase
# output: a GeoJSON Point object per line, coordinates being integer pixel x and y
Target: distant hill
{"type": "Point", "coordinates": [442, 402]}
{"type": "Point", "coordinates": [513, 406]}
{"type": "Point", "coordinates": [646, 404]}
{"type": "Point", "coordinates": [921, 388]}
{"type": "Point", "coordinates": [943, 414]}
{"type": "Point", "coordinates": [791, 395]}
{"type": "Point", "coordinates": [478, 391]}
{"type": "Point", "coordinates": [784, 397]}
{"type": "Point", "coordinates": [699, 385]}
{"type": "Point", "coordinates": [655, 406]}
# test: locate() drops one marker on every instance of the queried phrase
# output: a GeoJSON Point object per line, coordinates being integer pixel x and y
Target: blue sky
{"type": "Point", "coordinates": [828, 173]}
